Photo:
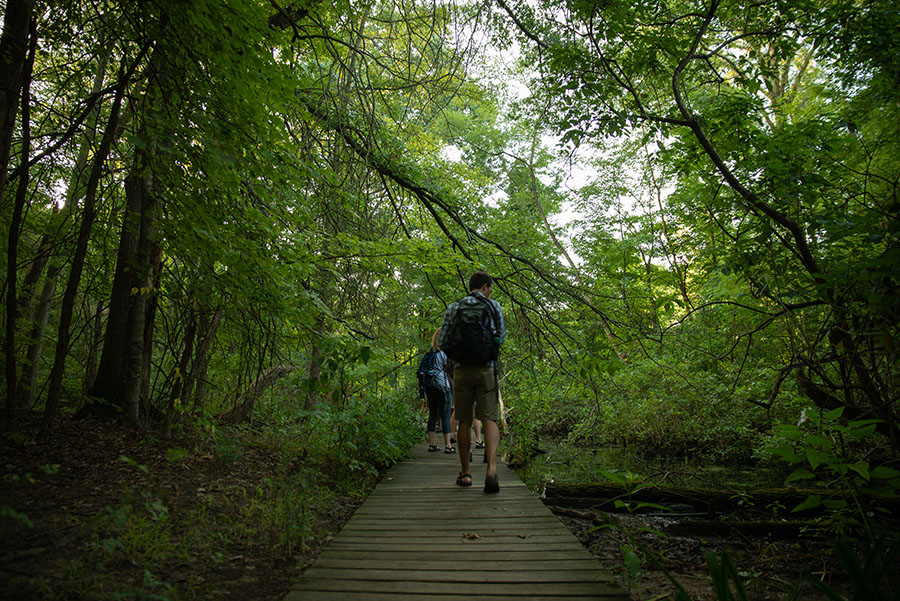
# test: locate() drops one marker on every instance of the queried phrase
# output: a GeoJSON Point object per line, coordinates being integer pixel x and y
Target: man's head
{"type": "Point", "coordinates": [480, 280]}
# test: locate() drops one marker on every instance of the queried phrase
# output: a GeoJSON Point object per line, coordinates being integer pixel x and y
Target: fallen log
{"type": "Point", "coordinates": [775, 501]}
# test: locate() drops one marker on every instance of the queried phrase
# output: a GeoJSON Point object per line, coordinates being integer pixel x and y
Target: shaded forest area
{"type": "Point", "coordinates": [232, 227]}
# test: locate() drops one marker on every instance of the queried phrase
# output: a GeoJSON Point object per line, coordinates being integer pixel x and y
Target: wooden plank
{"type": "Point", "coordinates": [437, 530]}
{"type": "Point", "coordinates": [469, 546]}
{"type": "Point", "coordinates": [521, 589]}
{"type": "Point", "coordinates": [460, 564]}
{"type": "Point", "coordinates": [441, 594]}
{"type": "Point", "coordinates": [475, 538]}
{"type": "Point", "coordinates": [460, 554]}
{"type": "Point", "coordinates": [472, 576]}
{"type": "Point", "coordinates": [451, 514]}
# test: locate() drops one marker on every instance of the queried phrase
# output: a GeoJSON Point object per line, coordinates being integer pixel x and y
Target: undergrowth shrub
{"type": "Point", "coordinates": [657, 411]}
{"type": "Point", "coordinates": [363, 434]}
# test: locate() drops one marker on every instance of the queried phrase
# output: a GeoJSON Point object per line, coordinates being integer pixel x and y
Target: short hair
{"type": "Point", "coordinates": [479, 279]}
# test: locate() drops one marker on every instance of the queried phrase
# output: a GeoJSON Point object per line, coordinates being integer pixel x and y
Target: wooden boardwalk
{"type": "Point", "coordinates": [419, 536]}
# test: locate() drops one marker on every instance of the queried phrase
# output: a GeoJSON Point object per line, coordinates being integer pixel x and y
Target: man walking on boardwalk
{"type": "Point", "coordinates": [471, 335]}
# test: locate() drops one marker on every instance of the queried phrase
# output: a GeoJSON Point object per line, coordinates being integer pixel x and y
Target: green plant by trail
{"type": "Point", "coordinates": [631, 551]}
{"type": "Point", "coordinates": [834, 452]}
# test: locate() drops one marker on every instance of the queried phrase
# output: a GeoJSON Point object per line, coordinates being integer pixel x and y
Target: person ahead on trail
{"type": "Point", "coordinates": [471, 335]}
{"type": "Point", "coordinates": [435, 382]}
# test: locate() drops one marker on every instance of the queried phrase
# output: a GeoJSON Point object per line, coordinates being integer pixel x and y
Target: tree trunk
{"type": "Point", "coordinates": [115, 342]}
{"type": "Point", "coordinates": [201, 362]}
{"type": "Point", "coordinates": [141, 276]}
{"type": "Point", "coordinates": [243, 405]}
{"type": "Point", "coordinates": [35, 270]}
{"type": "Point", "coordinates": [84, 233]}
{"type": "Point", "coordinates": [149, 328]}
{"type": "Point", "coordinates": [90, 368]}
{"type": "Point", "coordinates": [28, 378]}
{"type": "Point", "coordinates": [12, 248]}
{"type": "Point", "coordinates": [315, 365]}
{"type": "Point", "coordinates": [13, 44]}
{"type": "Point", "coordinates": [180, 377]}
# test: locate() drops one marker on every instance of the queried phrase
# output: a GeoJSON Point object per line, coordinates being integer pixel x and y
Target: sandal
{"type": "Point", "coordinates": [460, 480]}
{"type": "Point", "coordinates": [479, 444]}
{"type": "Point", "coordinates": [433, 448]}
{"type": "Point", "coordinates": [491, 484]}
{"type": "Point", "coordinates": [449, 450]}
{"type": "Point", "coordinates": [453, 438]}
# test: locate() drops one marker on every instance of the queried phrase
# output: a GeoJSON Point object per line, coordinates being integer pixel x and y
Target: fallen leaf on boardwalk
{"type": "Point", "coordinates": [471, 535]}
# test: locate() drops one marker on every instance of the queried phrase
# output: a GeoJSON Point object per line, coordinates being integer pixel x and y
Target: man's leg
{"type": "Point", "coordinates": [464, 440]}
{"type": "Point", "coordinates": [491, 442]}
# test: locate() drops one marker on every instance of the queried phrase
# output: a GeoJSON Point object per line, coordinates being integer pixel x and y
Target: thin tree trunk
{"type": "Point", "coordinates": [28, 378]}
{"type": "Point", "coordinates": [149, 325]}
{"type": "Point", "coordinates": [315, 365]}
{"type": "Point", "coordinates": [35, 270]}
{"type": "Point", "coordinates": [13, 53]}
{"type": "Point", "coordinates": [201, 362]}
{"type": "Point", "coordinates": [179, 379]}
{"type": "Point", "coordinates": [670, 252]}
{"type": "Point", "coordinates": [12, 248]}
{"type": "Point", "coordinates": [84, 233]}
{"type": "Point", "coordinates": [90, 371]}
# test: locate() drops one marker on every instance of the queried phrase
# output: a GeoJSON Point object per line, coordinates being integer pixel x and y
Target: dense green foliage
{"type": "Point", "coordinates": [236, 210]}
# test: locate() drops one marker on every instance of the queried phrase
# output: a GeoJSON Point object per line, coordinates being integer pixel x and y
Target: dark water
{"type": "Point", "coordinates": [562, 461]}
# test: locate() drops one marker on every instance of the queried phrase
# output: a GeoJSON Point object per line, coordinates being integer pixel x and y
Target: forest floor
{"type": "Point", "coordinates": [769, 568]}
{"type": "Point", "coordinates": [62, 501]}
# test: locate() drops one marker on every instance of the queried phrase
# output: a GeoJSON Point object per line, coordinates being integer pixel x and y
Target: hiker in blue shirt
{"type": "Point", "coordinates": [435, 381]}
{"type": "Point", "coordinates": [471, 335]}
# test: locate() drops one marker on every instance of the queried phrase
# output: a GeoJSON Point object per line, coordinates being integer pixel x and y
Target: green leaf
{"type": "Point", "coordinates": [631, 560]}
{"type": "Point", "coordinates": [130, 461]}
{"type": "Point", "coordinates": [799, 474]}
{"type": "Point", "coordinates": [834, 414]}
{"type": "Point", "coordinates": [834, 503]}
{"type": "Point", "coordinates": [816, 458]}
{"type": "Point", "coordinates": [811, 502]}
{"type": "Point", "coordinates": [884, 473]}
{"type": "Point", "coordinates": [8, 511]}
{"type": "Point", "coordinates": [861, 468]}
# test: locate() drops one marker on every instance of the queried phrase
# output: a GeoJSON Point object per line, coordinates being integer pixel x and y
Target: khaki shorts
{"type": "Point", "coordinates": [475, 387]}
